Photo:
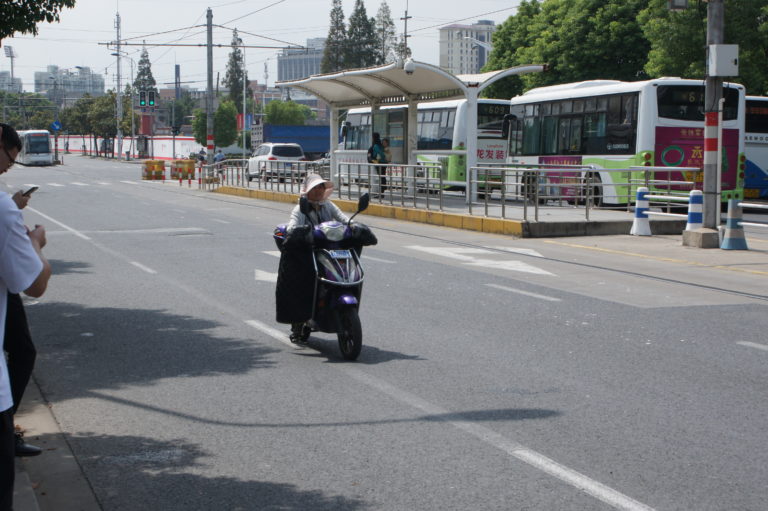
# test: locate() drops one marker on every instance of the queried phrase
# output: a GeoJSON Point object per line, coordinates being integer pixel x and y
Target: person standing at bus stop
{"type": "Point", "coordinates": [377, 155]}
{"type": "Point", "coordinates": [22, 268]}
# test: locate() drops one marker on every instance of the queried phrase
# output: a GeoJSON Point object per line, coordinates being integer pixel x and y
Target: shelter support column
{"type": "Point", "coordinates": [471, 135]}
{"type": "Point", "coordinates": [411, 142]}
{"type": "Point", "coordinates": [333, 143]}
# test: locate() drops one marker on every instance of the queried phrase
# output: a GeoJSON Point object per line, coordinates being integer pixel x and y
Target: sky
{"type": "Point", "coordinates": [74, 41]}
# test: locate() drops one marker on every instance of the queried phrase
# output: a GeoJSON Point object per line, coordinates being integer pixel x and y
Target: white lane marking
{"type": "Point", "coordinates": [129, 182]}
{"type": "Point", "coordinates": [514, 449]}
{"type": "Point", "coordinates": [103, 183]}
{"type": "Point", "coordinates": [77, 183]}
{"type": "Point", "coordinates": [753, 345]}
{"type": "Point", "coordinates": [272, 332]}
{"type": "Point", "coordinates": [265, 276]}
{"type": "Point", "coordinates": [273, 253]}
{"type": "Point", "coordinates": [73, 231]}
{"type": "Point", "coordinates": [220, 221]}
{"type": "Point", "coordinates": [379, 260]}
{"type": "Point", "coordinates": [524, 251]}
{"type": "Point", "coordinates": [466, 256]}
{"type": "Point", "coordinates": [486, 435]}
{"type": "Point", "coordinates": [526, 293]}
{"type": "Point", "coordinates": [57, 185]}
{"type": "Point", "coordinates": [142, 267]}
{"type": "Point", "coordinates": [28, 185]}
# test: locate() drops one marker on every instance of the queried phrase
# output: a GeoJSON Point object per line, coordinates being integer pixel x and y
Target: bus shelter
{"type": "Point", "coordinates": [408, 83]}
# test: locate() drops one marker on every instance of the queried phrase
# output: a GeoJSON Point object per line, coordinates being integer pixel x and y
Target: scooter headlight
{"type": "Point", "coordinates": [333, 231]}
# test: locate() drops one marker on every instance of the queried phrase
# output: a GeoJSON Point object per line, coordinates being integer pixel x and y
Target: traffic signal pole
{"type": "Point", "coordinates": [209, 95]}
{"type": "Point", "coordinates": [713, 92]}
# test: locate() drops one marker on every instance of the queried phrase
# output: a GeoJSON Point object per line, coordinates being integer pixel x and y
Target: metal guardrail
{"type": "Point", "coordinates": [496, 188]}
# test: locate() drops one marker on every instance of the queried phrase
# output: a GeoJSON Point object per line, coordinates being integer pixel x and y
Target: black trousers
{"type": "Point", "coordinates": [7, 457]}
{"type": "Point", "coordinates": [21, 351]}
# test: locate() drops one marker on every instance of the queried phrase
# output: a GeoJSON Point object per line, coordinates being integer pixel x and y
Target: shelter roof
{"type": "Point", "coordinates": [397, 82]}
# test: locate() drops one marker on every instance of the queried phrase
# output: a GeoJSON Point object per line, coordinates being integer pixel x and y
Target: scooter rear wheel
{"type": "Point", "coordinates": [350, 334]}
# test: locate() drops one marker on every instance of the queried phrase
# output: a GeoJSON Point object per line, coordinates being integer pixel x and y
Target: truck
{"type": "Point", "coordinates": [312, 139]}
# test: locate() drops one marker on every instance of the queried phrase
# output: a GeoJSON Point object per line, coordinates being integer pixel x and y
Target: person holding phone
{"type": "Point", "coordinates": [23, 267]}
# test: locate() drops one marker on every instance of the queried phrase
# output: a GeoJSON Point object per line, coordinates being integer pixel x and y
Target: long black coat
{"type": "Point", "coordinates": [295, 283]}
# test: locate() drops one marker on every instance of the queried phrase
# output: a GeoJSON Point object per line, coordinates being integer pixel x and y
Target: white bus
{"type": "Point", "coordinates": [756, 147]}
{"type": "Point", "coordinates": [441, 127]}
{"type": "Point", "coordinates": [35, 148]}
{"type": "Point", "coordinates": [616, 125]}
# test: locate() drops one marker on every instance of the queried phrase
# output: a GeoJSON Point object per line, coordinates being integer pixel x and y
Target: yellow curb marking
{"type": "Point", "coordinates": [655, 258]}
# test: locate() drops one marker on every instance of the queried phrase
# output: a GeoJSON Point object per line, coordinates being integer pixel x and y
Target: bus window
{"type": "Point", "coordinates": [549, 136]}
{"type": "Point", "coordinates": [757, 116]}
{"type": "Point", "coordinates": [531, 135]}
{"type": "Point", "coordinates": [686, 102]}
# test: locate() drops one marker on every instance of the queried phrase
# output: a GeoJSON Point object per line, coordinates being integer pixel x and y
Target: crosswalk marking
{"type": "Point", "coordinates": [468, 256]}
{"type": "Point", "coordinates": [265, 276]}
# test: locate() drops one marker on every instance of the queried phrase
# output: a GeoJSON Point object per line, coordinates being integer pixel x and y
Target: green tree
{"type": "Point", "coordinates": [678, 39]}
{"type": "Point", "coordinates": [144, 79]}
{"type": "Point", "coordinates": [386, 36]}
{"type": "Point", "coordinates": [287, 113]}
{"type": "Point", "coordinates": [182, 108]}
{"type": "Point", "coordinates": [22, 16]}
{"type": "Point", "coordinates": [578, 40]}
{"type": "Point", "coordinates": [75, 118]}
{"type": "Point", "coordinates": [512, 36]}
{"type": "Point", "coordinates": [336, 42]}
{"type": "Point", "coordinates": [225, 124]}
{"type": "Point", "coordinates": [361, 39]}
{"type": "Point", "coordinates": [200, 128]}
{"type": "Point", "coordinates": [101, 116]}
{"type": "Point", "coordinates": [236, 73]}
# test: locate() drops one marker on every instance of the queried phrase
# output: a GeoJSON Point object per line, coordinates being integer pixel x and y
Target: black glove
{"type": "Point", "coordinates": [299, 236]}
{"type": "Point", "coordinates": [363, 235]}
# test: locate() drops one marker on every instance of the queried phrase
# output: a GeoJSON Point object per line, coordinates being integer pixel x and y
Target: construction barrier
{"type": "Point", "coordinates": [734, 239]}
{"type": "Point", "coordinates": [153, 170]}
{"type": "Point", "coordinates": [641, 226]}
{"type": "Point", "coordinates": [182, 169]}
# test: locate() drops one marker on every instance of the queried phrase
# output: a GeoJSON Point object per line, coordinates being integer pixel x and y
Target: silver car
{"type": "Point", "coordinates": [276, 160]}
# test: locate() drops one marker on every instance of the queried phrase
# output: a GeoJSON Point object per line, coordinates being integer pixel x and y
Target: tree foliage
{"type": "Point", "coordinates": [144, 79]}
{"type": "Point", "coordinates": [236, 74]}
{"type": "Point", "coordinates": [624, 40]}
{"type": "Point", "coordinates": [26, 110]}
{"type": "Point", "coordinates": [225, 124]}
{"type": "Point", "coordinates": [360, 50]}
{"type": "Point", "coordinates": [287, 113]}
{"type": "Point", "coordinates": [200, 127]}
{"type": "Point", "coordinates": [22, 16]}
{"type": "Point", "coordinates": [335, 43]}
{"type": "Point", "coordinates": [386, 35]}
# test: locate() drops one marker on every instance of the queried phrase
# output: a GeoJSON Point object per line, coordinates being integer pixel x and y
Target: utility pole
{"type": "Point", "coordinates": [209, 95]}
{"type": "Point", "coordinates": [713, 92]}
{"type": "Point", "coordinates": [406, 50]}
{"type": "Point", "coordinates": [119, 95]}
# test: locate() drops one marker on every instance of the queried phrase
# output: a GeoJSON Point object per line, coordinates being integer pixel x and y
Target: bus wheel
{"type": "Point", "coordinates": [596, 192]}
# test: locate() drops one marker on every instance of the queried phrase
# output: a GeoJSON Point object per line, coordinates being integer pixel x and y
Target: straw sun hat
{"type": "Point", "coordinates": [313, 180]}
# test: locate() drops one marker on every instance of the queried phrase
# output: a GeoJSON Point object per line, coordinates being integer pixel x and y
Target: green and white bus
{"type": "Point", "coordinates": [441, 127]}
{"type": "Point", "coordinates": [611, 124]}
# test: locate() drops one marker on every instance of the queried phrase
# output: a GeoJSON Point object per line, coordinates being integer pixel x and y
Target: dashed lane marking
{"type": "Point", "coordinates": [526, 293]}
{"type": "Point", "coordinates": [144, 268]}
{"type": "Point", "coordinates": [265, 276]}
{"type": "Point", "coordinates": [753, 345]}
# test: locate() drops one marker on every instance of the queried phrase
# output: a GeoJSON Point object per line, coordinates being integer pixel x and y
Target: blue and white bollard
{"type": "Point", "coordinates": [695, 210]}
{"type": "Point", "coordinates": [734, 232]}
{"type": "Point", "coordinates": [641, 226]}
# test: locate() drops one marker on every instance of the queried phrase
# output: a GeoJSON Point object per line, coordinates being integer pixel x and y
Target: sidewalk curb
{"type": "Point", "coordinates": [54, 479]}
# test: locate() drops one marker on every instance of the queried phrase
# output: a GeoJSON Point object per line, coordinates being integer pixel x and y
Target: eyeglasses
{"type": "Point", "coordinates": [10, 158]}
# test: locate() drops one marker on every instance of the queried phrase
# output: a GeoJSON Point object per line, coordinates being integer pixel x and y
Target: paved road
{"type": "Point", "coordinates": [497, 373]}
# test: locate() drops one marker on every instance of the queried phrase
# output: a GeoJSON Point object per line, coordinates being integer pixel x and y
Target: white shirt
{"type": "Point", "coordinates": [19, 267]}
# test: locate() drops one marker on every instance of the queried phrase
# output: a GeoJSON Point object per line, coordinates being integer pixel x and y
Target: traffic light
{"type": "Point", "coordinates": [143, 98]}
{"type": "Point", "coordinates": [151, 97]}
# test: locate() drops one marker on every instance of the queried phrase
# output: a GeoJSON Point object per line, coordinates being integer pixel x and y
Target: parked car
{"type": "Point", "coordinates": [274, 160]}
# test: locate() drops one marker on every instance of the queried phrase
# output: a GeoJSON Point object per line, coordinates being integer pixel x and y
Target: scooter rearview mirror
{"type": "Point", "coordinates": [362, 203]}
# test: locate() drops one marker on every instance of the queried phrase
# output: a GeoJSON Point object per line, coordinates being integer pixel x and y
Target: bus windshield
{"type": "Point", "coordinates": [757, 116]}
{"type": "Point", "coordinates": [38, 143]}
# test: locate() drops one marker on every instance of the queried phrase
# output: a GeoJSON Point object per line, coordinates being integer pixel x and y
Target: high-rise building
{"type": "Point", "coordinates": [64, 86]}
{"type": "Point", "coordinates": [464, 49]}
{"type": "Point", "coordinates": [8, 84]}
{"type": "Point", "coordinates": [295, 64]}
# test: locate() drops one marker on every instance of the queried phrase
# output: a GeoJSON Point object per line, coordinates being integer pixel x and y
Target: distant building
{"type": "Point", "coordinates": [9, 85]}
{"type": "Point", "coordinates": [295, 64]}
{"type": "Point", "coordinates": [64, 86]}
{"type": "Point", "coordinates": [460, 55]}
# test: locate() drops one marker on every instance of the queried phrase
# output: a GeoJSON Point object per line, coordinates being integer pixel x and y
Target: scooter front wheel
{"type": "Point", "coordinates": [350, 334]}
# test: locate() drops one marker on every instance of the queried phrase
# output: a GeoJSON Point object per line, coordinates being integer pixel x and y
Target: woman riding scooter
{"type": "Point", "coordinates": [295, 278]}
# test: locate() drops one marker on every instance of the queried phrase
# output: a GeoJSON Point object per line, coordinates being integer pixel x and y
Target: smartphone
{"type": "Point", "coordinates": [30, 191]}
